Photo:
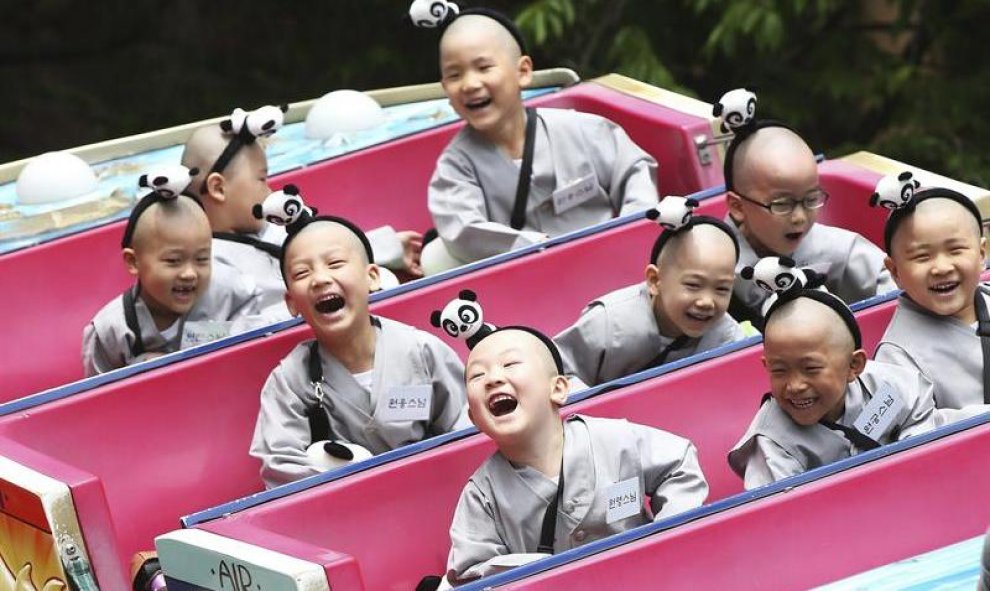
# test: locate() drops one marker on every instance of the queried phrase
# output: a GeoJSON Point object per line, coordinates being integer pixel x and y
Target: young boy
{"type": "Point", "coordinates": [936, 252]}
{"type": "Point", "coordinates": [773, 197]}
{"type": "Point", "coordinates": [179, 300]}
{"type": "Point", "coordinates": [680, 310]}
{"type": "Point", "coordinates": [827, 401]}
{"type": "Point", "coordinates": [584, 478]}
{"type": "Point", "coordinates": [367, 365]}
{"type": "Point", "coordinates": [231, 188]}
{"type": "Point", "coordinates": [515, 176]}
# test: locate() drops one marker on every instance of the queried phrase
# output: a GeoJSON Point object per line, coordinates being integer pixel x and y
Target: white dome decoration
{"type": "Point", "coordinates": [342, 111]}
{"type": "Point", "coordinates": [54, 176]}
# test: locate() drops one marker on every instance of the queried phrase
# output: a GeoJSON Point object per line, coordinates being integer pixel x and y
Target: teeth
{"type": "Point", "coordinates": [803, 403]}
{"type": "Point", "coordinates": [329, 304]}
{"type": "Point", "coordinates": [944, 287]}
{"type": "Point", "coordinates": [502, 404]}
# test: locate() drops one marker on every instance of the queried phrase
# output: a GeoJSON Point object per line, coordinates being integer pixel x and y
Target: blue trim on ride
{"type": "Point", "coordinates": [57, 393]}
{"type": "Point", "coordinates": [781, 486]}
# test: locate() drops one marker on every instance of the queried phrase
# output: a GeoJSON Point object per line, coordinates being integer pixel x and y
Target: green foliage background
{"type": "Point", "coordinates": [908, 79]}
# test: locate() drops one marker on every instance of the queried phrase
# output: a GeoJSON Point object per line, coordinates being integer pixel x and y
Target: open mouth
{"type": "Point", "coordinates": [698, 317]}
{"type": "Point", "coordinates": [802, 403]}
{"type": "Point", "coordinates": [502, 404]}
{"type": "Point", "coordinates": [184, 291]}
{"type": "Point", "coordinates": [944, 287]}
{"type": "Point", "coordinates": [329, 304]}
{"type": "Point", "coordinates": [476, 104]}
{"type": "Point", "coordinates": [794, 236]}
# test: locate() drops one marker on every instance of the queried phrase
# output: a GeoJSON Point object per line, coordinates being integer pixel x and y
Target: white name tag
{"type": "Point", "coordinates": [203, 331]}
{"type": "Point", "coordinates": [880, 412]}
{"type": "Point", "coordinates": [575, 193]}
{"type": "Point", "coordinates": [406, 403]}
{"type": "Point", "coordinates": [622, 500]}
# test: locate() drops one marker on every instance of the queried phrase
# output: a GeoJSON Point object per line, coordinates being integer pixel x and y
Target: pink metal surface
{"type": "Point", "coordinates": [173, 441]}
{"type": "Point", "coordinates": [415, 497]}
{"type": "Point", "coordinates": [82, 272]}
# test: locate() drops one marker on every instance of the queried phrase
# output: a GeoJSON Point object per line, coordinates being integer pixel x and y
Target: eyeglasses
{"type": "Point", "coordinates": [784, 206]}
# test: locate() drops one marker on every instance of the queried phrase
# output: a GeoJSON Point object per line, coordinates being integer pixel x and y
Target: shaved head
{"type": "Point", "coordinates": [330, 233]}
{"type": "Point", "coordinates": [703, 240]}
{"type": "Point", "coordinates": [531, 346]}
{"type": "Point", "coordinates": [181, 210]}
{"type": "Point", "coordinates": [766, 154]}
{"type": "Point", "coordinates": [476, 27]}
{"type": "Point", "coordinates": [812, 319]}
{"type": "Point", "coordinates": [949, 210]}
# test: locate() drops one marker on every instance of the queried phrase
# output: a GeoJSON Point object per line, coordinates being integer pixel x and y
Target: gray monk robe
{"type": "Point", "coordinates": [404, 357]}
{"type": "Point", "coordinates": [617, 335]}
{"type": "Point", "coordinates": [947, 351]}
{"type": "Point", "coordinates": [853, 267]}
{"type": "Point", "coordinates": [588, 158]}
{"type": "Point", "coordinates": [230, 304]}
{"type": "Point", "coordinates": [501, 509]}
{"type": "Point", "coordinates": [775, 447]}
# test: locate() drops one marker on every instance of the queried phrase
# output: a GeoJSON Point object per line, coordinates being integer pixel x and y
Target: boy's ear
{"type": "Point", "coordinates": [525, 69]}
{"type": "Point", "coordinates": [560, 387]}
{"type": "Point", "coordinates": [653, 279]}
{"type": "Point", "coordinates": [763, 360]}
{"type": "Point", "coordinates": [735, 206]}
{"type": "Point", "coordinates": [983, 248]}
{"type": "Point", "coordinates": [216, 186]}
{"type": "Point", "coordinates": [374, 278]}
{"type": "Point", "coordinates": [290, 304]}
{"type": "Point", "coordinates": [891, 267]}
{"type": "Point", "coordinates": [130, 261]}
{"type": "Point", "coordinates": [857, 364]}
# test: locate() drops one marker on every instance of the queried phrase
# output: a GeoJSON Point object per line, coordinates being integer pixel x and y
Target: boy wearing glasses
{"type": "Point", "coordinates": [774, 197]}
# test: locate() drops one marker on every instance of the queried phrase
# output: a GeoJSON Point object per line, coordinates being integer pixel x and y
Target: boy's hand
{"type": "Point", "coordinates": [412, 248]}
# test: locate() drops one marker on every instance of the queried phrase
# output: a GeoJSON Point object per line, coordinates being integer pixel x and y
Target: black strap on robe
{"type": "Point", "coordinates": [547, 535]}
{"type": "Point", "coordinates": [858, 439]}
{"type": "Point", "coordinates": [983, 331]}
{"type": "Point", "coordinates": [319, 422]}
{"type": "Point", "coordinates": [674, 345]}
{"type": "Point", "coordinates": [266, 247]}
{"type": "Point", "coordinates": [130, 318]}
{"type": "Point", "coordinates": [518, 219]}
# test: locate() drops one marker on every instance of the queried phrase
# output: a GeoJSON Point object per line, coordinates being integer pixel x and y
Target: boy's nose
{"type": "Point", "coordinates": [188, 271]}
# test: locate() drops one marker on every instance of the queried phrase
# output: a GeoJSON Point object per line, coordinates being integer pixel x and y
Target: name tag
{"type": "Point", "coordinates": [406, 403]}
{"type": "Point", "coordinates": [623, 500]}
{"type": "Point", "coordinates": [880, 413]}
{"type": "Point", "coordinates": [203, 331]}
{"type": "Point", "coordinates": [575, 193]}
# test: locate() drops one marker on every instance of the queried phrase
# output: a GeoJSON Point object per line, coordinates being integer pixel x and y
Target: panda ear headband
{"type": "Point", "coordinates": [286, 208]}
{"type": "Point", "coordinates": [438, 14]}
{"type": "Point", "coordinates": [246, 127]}
{"type": "Point", "coordinates": [676, 216]}
{"type": "Point", "coordinates": [737, 110]}
{"type": "Point", "coordinates": [165, 184]}
{"type": "Point", "coordinates": [822, 297]}
{"type": "Point", "coordinates": [900, 194]}
{"type": "Point", "coordinates": [463, 318]}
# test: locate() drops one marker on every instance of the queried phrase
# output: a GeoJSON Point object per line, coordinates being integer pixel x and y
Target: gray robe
{"type": "Point", "coordinates": [775, 447]}
{"type": "Point", "coordinates": [107, 340]}
{"type": "Point", "coordinates": [473, 189]}
{"type": "Point", "coordinates": [617, 335]}
{"type": "Point", "coordinates": [404, 356]}
{"type": "Point", "coordinates": [501, 509]}
{"type": "Point", "coordinates": [262, 267]}
{"type": "Point", "coordinates": [947, 351]}
{"type": "Point", "coordinates": [853, 266]}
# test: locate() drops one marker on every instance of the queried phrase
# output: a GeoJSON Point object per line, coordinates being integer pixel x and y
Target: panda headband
{"type": "Point", "coordinates": [166, 184]}
{"type": "Point", "coordinates": [737, 110]}
{"type": "Point", "coordinates": [439, 14]}
{"type": "Point", "coordinates": [463, 318]}
{"type": "Point", "coordinates": [246, 127]}
{"type": "Point", "coordinates": [822, 297]}
{"type": "Point", "coordinates": [286, 208]}
{"type": "Point", "coordinates": [676, 216]}
{"type": "Point", "coordinates": [905, 209]}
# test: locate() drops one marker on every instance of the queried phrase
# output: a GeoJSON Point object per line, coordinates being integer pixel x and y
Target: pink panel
{"type": "Point", "coordinates": [353, 186]}
{"type": "Point", "coordinates": [869, 516]}
{"type": "Point", "coordinates": [413, 505]}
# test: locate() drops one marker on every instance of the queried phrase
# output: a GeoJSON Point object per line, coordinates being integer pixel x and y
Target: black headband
{"type": "Point", "coordinates": [900, 214]}
{"type": "Point", "coordinates": [293, 230]}
{"type": "Point", "coordinates": [741, 135]}
{"type": "Point", "coordinates": [244, 136]}
{"type": "Point", "coordinates": [822, 297]}
{"type": "Point", "coordinates": [667, 235]}
{"type": "Point", "coordinates": [450, 15]}
{"type": "Point", "coordinates": [558, 361]}
{"type": "Point", "coordinates": [142, 205]}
